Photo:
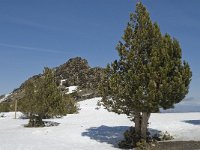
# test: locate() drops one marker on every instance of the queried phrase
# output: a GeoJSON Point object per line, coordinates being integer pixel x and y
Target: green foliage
{"type": "Point", "coordinates": [42, 98]}
{"type": "Point", "coordinates": [70, 104]}
{"type": "Point", "coordinates": [5, 107]}
{"type": "Point", "coordinates": [149, 74]}
{"type": "Point", "coordinates": [143, 145]}
{"type": "Point", "coordinates": [35, 121]}
{"type": "Point", "coordinates": [76, 71]}
{"type": "Point", "coordinates": [49, 98]}
{"type": "Point", "coordinates": [83, 94]}
{"type": "Point", "coordinates": [130, 139]}
{"type": "Point", "coordinates": [165, 136]}
{"type": "Point", "coordinates": [27, 103]}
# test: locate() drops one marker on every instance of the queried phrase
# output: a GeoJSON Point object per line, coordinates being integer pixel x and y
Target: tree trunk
{"type": "Point", "coordinates": [15, 109]}
{"type": "Point", "coordinates": [144, 124]}
{"type": "Point", "coordinates": [35, 121]}
{"type": "Point", "coordinates": [137, 121]}
{"type": "Point", "coordinates": [141, 124]}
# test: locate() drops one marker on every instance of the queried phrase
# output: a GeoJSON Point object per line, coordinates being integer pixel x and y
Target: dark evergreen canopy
{"type": "Point", "coordinates": [42, 98]}
{"type": "Point", "coordinates": [149, 74]}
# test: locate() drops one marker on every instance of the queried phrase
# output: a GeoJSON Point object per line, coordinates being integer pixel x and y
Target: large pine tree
{"type": "Point", "coordinates": [149, 74]}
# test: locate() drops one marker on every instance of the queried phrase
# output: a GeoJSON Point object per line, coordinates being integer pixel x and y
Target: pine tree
{"type": "Point", "coordinates": [149, 74]}
{"type": "Point", "coordinates": [44, 99]}
{"type": "Point", "coordinates": [50, 99]}
{"type": "Point", "coordinates": [26, 103]}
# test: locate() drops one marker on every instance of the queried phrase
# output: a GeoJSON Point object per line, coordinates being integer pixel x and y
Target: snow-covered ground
{"type": "Point", "coordinates": [91, 128]}
{"type": "Point", "coordinates": [71, 89]}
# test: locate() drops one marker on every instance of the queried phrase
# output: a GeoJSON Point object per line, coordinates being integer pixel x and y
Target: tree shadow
{"type": "Point", "coordinates": [193, 122]}
{"type": "Point", "coordinates": [51, 123]}
{"type": "Point", "coordinates": [106, 134]}
{"type": "Point", "coordinates": [111, 135]}
{"type": "Point", "coordinates": [154, 132]}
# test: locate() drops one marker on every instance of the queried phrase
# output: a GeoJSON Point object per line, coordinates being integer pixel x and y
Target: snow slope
{"type": "Point", "coordinates": [4, 98]}
{"type": "Point", "coordinates": [90, 129]}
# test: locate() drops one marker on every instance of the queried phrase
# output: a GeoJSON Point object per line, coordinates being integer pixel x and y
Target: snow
{"type": "Point", "coordinates": [5, 97]}
{"type": "Point", "coordinates": [62, 81]}
{"type": "Point", "coordinates": [182, 126]}
{"type": "Point", "coordinates": [71, 89]}
{"type": "Point", "coordinates": [92, 128]}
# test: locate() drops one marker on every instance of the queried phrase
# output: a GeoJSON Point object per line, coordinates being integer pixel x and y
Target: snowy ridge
{"type": "Point", "coordinates": [92, 128]}
{"type": "Point", "coordinates": [4, 98]}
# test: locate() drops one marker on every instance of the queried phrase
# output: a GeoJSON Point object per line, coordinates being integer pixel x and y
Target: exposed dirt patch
{"type": "Point", "coordinates": [178, 145]}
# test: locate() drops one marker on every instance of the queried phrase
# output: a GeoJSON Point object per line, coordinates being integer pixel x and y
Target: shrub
{"type": "Point", "coordinates": [4, 107]}
{"type": "Point", "coordinates": [132, 140]}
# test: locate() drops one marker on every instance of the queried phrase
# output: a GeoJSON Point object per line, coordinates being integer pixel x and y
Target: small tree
{"type": "Point", "coordinates": [26, 103]}
{"type": "Point", "coordinates": [44, 99]}
{"type": "Point", "coordinates": [4, 107]}
{"type": "Point", "coordinates": [149, 74]}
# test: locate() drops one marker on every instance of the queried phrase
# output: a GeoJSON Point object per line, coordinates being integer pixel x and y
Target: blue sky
{"type": "Point", "coordinates": [35, 33]}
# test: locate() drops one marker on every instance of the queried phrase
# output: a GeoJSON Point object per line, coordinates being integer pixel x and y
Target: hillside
{"type": "Point", "coordinates": [90, 129]}
{"type": "Point", "coordinates": [75, 72]}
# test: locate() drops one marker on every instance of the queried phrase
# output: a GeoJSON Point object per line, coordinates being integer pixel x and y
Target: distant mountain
{"type": "Point", "coordinates": [75, 72]}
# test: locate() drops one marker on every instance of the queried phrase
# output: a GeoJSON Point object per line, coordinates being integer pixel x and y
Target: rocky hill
{"type": "Point", "coordinates": [75, 72]}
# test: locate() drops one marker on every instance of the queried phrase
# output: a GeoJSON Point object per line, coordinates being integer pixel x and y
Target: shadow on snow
{"type": "Point", "coordinates": [110, 135]}
{"type": "Point", "coordinates": [105, 134]}
{"type": "Point", "coordinates": [193, 122]}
